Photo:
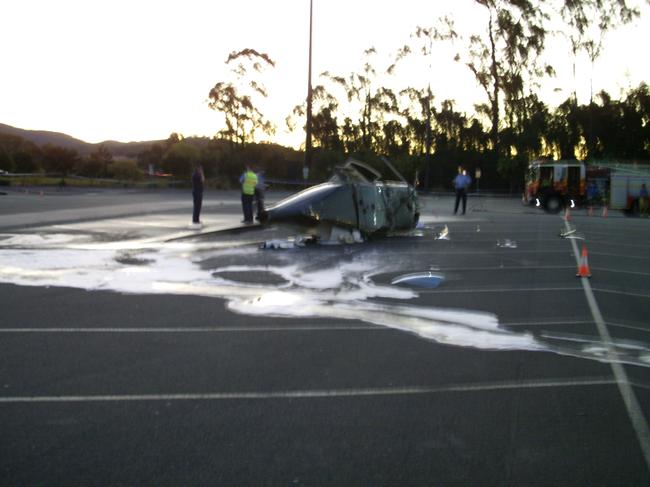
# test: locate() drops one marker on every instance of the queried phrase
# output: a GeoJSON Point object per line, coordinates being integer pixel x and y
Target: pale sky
{"type": "Point", "coordinates": [141, 69]}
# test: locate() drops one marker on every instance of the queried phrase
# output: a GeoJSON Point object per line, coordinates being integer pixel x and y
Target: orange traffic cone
{"type": "Point", "coordinates": [583, 267]}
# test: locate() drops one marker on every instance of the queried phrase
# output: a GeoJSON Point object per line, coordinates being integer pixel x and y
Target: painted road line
{"type": "Point", "coordinates": [499, 290]}
{"type": "Point", "coordinates": [634, 273]}
{"type": "Point", "coordinates": [609, 243]}
{"type": "Point", "coordinates": [549, 323]}
{"type": "Point", "coordinates": [275, 328]}
{"type": "Point", "coordinates": [506, 268]}
{"type": "Point", "coordinates": [207, 329]}
{"type": "Point", "coordinates": [518, 251]}
{"type": "Point", "coordinates": [315, 394]}
{"type": "Point", "coordinates": [628, 230]}
{"type": "Point", "coordinates": [489, 239]}
{"type": "Point", "coordinates": [639, 327]}
{"type": "Point", "coordinates": [501, 251]}
{"type": "Point", "coordinates": [621, 293]}
{"type": "Point", "coordinates": [627, 392]}
{"type": "Point", "coordinates": [640, 385]}
{"type": "Point", "coordinates": [620, 256]}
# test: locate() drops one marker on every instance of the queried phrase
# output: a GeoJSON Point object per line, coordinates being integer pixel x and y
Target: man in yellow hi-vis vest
{"type": "Point", "coordinates": [248, 182]}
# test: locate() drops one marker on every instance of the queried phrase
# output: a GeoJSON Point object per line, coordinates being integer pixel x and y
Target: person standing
{"type": "Point", "coordinates": [461, 183]}
{"type": "Point", "coordinates": [259, 194]}
{"type": "Point", "coordinates": [198, 180]}
{"type": "Point", "coordinates": [248, 182]}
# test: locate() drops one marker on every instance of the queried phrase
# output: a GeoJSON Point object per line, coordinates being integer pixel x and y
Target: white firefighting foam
{"type": "Point", "coordinates": [343, 290]}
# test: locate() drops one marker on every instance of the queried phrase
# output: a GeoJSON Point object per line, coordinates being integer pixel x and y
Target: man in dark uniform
{"type": "Point", "coordinates": [260, 187]}
{"type": "Point", "coordinates": [198, 179]}
{"type": "Point", "coordinates": [461, 183]}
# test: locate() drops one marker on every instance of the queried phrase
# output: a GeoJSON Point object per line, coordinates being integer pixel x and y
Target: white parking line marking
{"type": "Point", "coordinates": [440, 251]}
{"type": "Point", "coordinates": [245, 329]}
{"type": "Point", "coordinates": [193, 329]}
{"type": "Point", "coordinates": [635, 273]}
{"type": "Point", "coordinates": [629, 326]}
{"type": "Point", "coordinates": [549, 323]}
{"type": "Point", "coordinates": [609, 243]}
{"type": "Point", "coordinates": [629, 398]}
{"type": "Point", "coordinates": [576, 322]}
{"type": "Point", "coordinates": [620, 256]}
{"type": "Point", "coordinates": [309, 394]}
{"type": "Point", "coordinates": [621, 293]}
{"type": "Point", "coordinates": [507, 268]}
{"type": "Point", "coordinates": [640, 385]}
{"type": "Point", "coordinates": [498, 290]}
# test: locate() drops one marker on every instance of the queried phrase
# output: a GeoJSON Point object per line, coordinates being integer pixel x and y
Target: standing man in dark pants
{"type": "Point", "coordinates": [260, 187]}
{"type": "Point", "coordinates": [198, 179]}
{"type": "Point", "coordinates": [461, 183]}
{"type": "Point", "coordinates": [248, 182]}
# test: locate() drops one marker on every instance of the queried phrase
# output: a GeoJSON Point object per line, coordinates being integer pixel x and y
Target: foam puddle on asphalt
{"type": "Point", "coordinates": [331, 283]}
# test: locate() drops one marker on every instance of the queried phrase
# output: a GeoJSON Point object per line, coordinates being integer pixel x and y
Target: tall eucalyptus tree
{"type": "Point", "coordinates": [236, 98]}
{"type": "Point", "coordinates": [506, 55]}
{"type": "Point", "coordinates": [423, 41]}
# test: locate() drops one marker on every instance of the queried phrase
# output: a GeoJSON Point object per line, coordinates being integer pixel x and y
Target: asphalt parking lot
{"type": "Point", "coordinates": [127, 358]}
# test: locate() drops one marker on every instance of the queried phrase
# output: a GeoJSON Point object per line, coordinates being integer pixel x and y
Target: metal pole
{"type": "Point", "coordinates": [427, 161]}
{"type": "Point", "coordinates": [308, 146]}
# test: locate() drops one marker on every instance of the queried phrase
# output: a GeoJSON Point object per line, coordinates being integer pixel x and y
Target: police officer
{"type": "Point", "coordinates": [198, 180]}
{"type": "Point", "coordinates": [260, 187]}
{"type": "Point", "coordinates": [248, 182]}
{"type": "Point", "coordinates": [461, 183]}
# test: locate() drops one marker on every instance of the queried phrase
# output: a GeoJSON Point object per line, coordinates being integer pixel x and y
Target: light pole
{"type": "Point", "coordinates": [427, 162]}
{"type": "Point", "coordinates": [308, 147]}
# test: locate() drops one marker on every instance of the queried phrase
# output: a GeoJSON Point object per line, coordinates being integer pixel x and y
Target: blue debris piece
{"type": "Point", "coordinates": [426, 279]}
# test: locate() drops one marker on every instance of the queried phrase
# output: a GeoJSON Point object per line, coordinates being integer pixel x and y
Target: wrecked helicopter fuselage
{"type": "Point", "coordinates": [355, 200]}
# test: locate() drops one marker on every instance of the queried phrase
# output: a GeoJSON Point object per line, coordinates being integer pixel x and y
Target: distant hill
{"type": "Point", "coordinates": [42, 137]}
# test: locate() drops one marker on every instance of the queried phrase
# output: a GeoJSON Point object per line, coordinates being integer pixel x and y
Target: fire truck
{"type": "Point", "coordinates": [554, 185]}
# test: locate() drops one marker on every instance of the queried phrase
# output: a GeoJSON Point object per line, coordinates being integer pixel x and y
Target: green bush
{"type": "Point", "coordinates": [125, 170]}
{"type": "Point", "coordinates": [179, 159]}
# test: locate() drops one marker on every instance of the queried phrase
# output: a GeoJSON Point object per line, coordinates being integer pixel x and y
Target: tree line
{"type": "Point", "coordinates": [173, 158]}
{"type": "Point", "coordinates": [606, 128]}
{"type": "Point", "coordinates": [18, 155]}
